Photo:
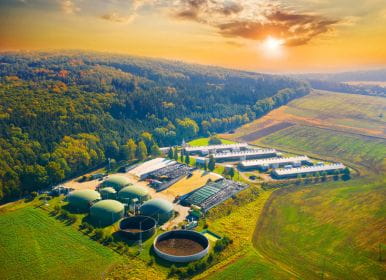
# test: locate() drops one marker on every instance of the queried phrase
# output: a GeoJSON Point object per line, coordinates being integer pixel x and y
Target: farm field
{"type": "Point", "coordinates": [353, 149]}
{"type": "Point", "coordinates": [34, 245]}
{"type": "Point", "coordinates": [330, 231]}
{"type": "Point", "coordinates": [239, 225]}
{"type": "Point", "coordinates": [351, 113]}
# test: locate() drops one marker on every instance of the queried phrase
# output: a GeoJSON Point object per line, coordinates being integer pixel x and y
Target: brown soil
{"type": "Point", "coordinates": [265, 131]}
{"type": "Point", "coordinates": [180, 246]}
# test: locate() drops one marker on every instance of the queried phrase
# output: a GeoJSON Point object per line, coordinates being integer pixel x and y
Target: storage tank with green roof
{"type": "Point", "coordinates": [108, 193]}
{"type": "Point", "coordinates": [81, 200]}
{"type": "Point", "coordinates": [159, 209]}
{"type": "Point", "coordinates": [117, 182]}
{"type": "Point", "coordinates": [127, 194]}
{"type": "Point", "coordinates": [106, 212]}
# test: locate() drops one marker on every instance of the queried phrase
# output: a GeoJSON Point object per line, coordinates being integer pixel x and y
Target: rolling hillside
{"type": "Point", "coordinates": [95, 103]}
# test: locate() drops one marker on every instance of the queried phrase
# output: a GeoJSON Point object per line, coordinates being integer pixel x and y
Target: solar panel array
{"type": "Point", "coordinates": [214, 193]}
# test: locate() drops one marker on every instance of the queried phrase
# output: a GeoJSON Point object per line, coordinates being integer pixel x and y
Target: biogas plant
{"type": "Point", "coordinates": [164, 195]}
{"type": "Point", "coordinates": [159, 201]}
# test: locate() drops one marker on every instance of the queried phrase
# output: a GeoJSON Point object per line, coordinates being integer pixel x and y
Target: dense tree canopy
{"type": "Point", "coordinates": [61, 114]}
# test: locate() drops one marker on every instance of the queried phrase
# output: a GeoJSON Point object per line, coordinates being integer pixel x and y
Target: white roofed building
{"type": "Point", "coordinates": [281, 173]}
{"type": "Point", "coordinates": [216, 148]}
{"type": "Point", "coordinates": [273, 162]}
{"type": "Point", "coordinates": [244, 155]}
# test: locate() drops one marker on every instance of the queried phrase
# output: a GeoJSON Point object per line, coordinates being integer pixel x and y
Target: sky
{"type": "Point", "coordinates": [258, 35]}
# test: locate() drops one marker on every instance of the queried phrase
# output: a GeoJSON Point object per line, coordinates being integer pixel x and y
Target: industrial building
{"type": "Point", "coordinates": [276, 162]}
{"type": "Point", "coordinates": [117, 182]}
{"type": "Point", "coordinates": [281, 173]}
{"type": "Point", "coordinates": [81, 200]}
{"type": "Point", "coordinates": [205, 150]}
{"type": "Point", "coordinates": [159, 209]}
{"type": "Point", "coordinates": [142, 171]}
{"type": "Point", "coordinates": [107, 212]}
{"type": "Point", "coordinates": [244, 155]}
{"type": "Point", "coordinates": [129, 193]}
{"type": "Point", "coordinates": [202, 160]}
{"type": "Point", "coordinates": [213, 194]}
{"type": "Point", "coordinates": [169, 175]}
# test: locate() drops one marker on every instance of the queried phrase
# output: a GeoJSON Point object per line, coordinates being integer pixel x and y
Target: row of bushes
{"type": "Point", "coordinates": [197, 267]}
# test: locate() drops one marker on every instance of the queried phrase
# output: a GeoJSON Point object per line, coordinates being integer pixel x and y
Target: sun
{"type": "Point", "coordinates": [272, 47]}
{"type": "Point", "coordinates": [272, 44]}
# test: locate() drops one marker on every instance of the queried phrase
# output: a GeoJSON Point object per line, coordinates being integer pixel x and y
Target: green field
{"type": "Point", "coordinates": [359, 150]}
{"type": "Point", "coordinates": [205, 142]}
{"type": "Point", "coordinates": [328, 231]}
{"type": "Point", "coordinates": [334, 229]}
{"type": "Point", "coordinates": [355, 110]}
{"type": "Point", "coordinates": [34, 245]}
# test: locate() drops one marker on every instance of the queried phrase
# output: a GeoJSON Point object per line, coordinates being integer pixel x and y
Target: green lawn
{"type": "Point", "coordinates": [205, 142]}
{"type": "Point", "coordinates": [34, 245]}
{"type": "Point", "coordinates": [352, 148]}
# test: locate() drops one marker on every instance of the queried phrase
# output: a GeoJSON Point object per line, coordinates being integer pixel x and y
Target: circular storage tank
{"type": "Point", "coordinates": [137, 227]}
{"type": "Point", "coordinates": [159, 209]}
{"type": "Point", "coordinates": [108, 193]}
{"type": "Point", "coordinates": [181, 246]}
{"type": "Point", "coordinates": [117, 182]}
{"type": "Point", "coordinates": [131, 192]}
{"type": "Point", "coordinates": [81, 200]}
{"type": "Point", "coordinates": [107, 212]}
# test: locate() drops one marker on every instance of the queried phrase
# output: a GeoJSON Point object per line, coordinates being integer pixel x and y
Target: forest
{"type": "Point", "coordinates": [64, 113]}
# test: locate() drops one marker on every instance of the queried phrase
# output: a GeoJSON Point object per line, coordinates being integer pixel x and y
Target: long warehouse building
{"type": "Point", "coordinates": [143, 170]}
{"type": "Point", "coordinates": [204, 150]}
{"type": "Point", "coordinates": [244, 155]}
{"type": "Point", "coordinates": [281, 173]}
{"type": "Point", "coordinates": [276, 162]}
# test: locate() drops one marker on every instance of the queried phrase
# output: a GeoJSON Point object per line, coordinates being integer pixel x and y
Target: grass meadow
{"type": "Point", "coordinates": [205, 141]}
{"type": "Point", "coordinates": [331, 231]}
{"type": "Point", "coordinates": [34, 245]}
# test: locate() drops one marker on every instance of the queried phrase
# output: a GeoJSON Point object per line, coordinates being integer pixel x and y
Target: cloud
{"type": "Point", "coordinates": [129, 9]}
{"type": "Point", "coordinates": [68, 7]}
{"type": "Point", "coordinates": [115, 17]}
{"type": "Point", "coordinates": [255, 20]}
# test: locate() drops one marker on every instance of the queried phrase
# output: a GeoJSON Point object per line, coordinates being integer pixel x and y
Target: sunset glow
{"type": "Point", "coordinates": [315, 35]}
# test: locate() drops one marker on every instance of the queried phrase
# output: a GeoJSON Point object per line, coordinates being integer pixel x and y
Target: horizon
{"type": "Point", "coordinates": [274, 37]}
{"type": "Point", "coordinates": [170, 60]}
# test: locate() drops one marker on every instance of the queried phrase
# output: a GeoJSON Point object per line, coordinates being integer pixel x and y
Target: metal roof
{"type": "Point", "coordinates": [259, 162]}
{"type": "Point", "coordinates": [244, 153]}
{"type": "Point", "coordinates": [215, 147]}
{"type": "Point", "coordinates": [151, 166]}
{"type": "Point", "coordinates": [309, 169]}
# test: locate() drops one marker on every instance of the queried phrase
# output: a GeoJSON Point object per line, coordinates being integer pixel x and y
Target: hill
{"type": "Point", "coordinates": [371, 82]}
{"type": "Point", "coordinates": [351, 113]}
{"type": "Point", "coordinates": [378, 75]}
{"type": "Point", "coordinates": [63, 113]}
